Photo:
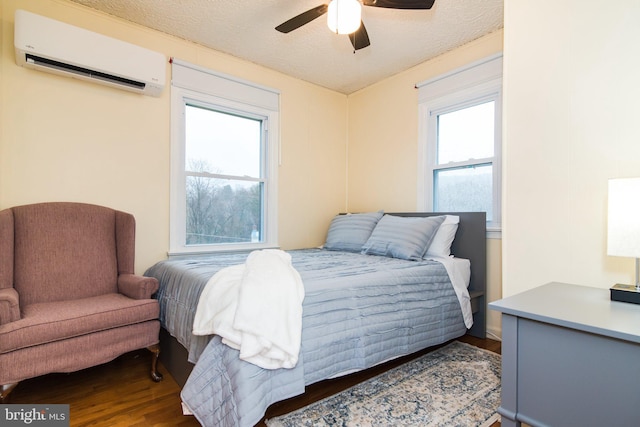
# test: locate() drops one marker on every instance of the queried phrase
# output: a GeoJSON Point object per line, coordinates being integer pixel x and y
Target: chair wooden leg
{"type": "Point", "coordinates": [5, 389]}
{"type": "Point", "coordinates": [155, 374]}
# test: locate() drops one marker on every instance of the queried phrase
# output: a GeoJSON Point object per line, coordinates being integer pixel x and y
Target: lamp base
{"type": "Point", "coordinates": [625, 293]}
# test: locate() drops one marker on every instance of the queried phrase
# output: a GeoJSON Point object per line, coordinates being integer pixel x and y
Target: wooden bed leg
{"type": "Point", "coordinates": [155, 374]}
{"type": "Point", "coordinates": [5, 389]}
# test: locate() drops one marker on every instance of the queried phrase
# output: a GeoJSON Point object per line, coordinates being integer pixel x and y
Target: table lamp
{"type": "Point", "coordinates": [623, 236]}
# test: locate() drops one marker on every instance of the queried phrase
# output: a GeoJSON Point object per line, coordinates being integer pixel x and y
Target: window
{"type": "Point", "coordinates": [224, 163]}
{"type": "Point", "coordinates": [460, 137]}
{"type": "Point", "coordinates": [463, 167]}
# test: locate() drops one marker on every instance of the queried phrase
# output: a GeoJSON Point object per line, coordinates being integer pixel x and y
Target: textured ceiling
{"type": "Point", "coordinates": [400, 39]}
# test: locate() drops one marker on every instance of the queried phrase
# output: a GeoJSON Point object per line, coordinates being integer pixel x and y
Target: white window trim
{"type": "Point", "coordinates": [470, 85]}
{"type": "Point", "coordinates": [180, 96]}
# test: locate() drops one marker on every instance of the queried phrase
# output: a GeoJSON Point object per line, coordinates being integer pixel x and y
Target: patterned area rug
{"type": "Point", "coordinates": [456, 385]}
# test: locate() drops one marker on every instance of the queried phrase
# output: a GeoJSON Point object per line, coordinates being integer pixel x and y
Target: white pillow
{"type": "Point", "coordinates": [441, 243]}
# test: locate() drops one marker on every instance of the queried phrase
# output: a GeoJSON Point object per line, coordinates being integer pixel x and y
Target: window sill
{"type": "Point", "coordinates": [494, 232]}
{"type": "Point", "coordinates": [211, 250]}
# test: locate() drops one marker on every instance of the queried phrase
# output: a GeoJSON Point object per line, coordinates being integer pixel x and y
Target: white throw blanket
{"type": "Point", "coordinates": [256, 307]}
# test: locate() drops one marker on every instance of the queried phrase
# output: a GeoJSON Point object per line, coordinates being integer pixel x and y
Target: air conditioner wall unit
{"type": "Point", "coordinates": [48, 45]}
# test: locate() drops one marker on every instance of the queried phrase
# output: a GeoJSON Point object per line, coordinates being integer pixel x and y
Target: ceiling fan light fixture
{"type": "Point", "coordinates": [344, 16]}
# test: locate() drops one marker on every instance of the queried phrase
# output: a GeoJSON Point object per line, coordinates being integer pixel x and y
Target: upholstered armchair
{"type": "Point", "coordinates": [69, 298]}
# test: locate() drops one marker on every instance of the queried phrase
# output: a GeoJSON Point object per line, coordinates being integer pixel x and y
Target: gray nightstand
{"type": "Point", "coordinates": [570, 357]}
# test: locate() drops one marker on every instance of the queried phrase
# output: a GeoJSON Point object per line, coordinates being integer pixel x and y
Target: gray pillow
{"type": "Point", "coordinates": [349, 232]}
{"type": "Point", "coordinates": [402, 237]}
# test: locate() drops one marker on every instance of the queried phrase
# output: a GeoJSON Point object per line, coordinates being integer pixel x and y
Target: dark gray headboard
{"type": "Point", "coordinates": [470, 243]}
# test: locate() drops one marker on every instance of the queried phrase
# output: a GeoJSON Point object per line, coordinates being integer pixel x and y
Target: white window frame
{"type": "Point", "coordinates": [474, 84]}
{"type": "Point", "coordinates": [201, 87]}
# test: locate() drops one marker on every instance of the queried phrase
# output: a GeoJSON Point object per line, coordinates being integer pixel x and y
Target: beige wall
{"type": "Point", "coordinates": [383, 146]}
{"type": "Point", "coordinates": [571, 107]}
{"type": "Point", "coordinates": [64, 139]}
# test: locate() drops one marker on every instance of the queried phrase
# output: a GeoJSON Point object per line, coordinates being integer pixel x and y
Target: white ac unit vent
{"type": "Point", "coordinates": [48, 45]}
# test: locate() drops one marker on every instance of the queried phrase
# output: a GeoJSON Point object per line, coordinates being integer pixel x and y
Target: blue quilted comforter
{"type": "Point", "coordinates": [358, 311]}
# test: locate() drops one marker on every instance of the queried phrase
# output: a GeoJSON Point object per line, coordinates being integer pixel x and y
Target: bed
{"type": "Point", "coordinates": [358, 311]}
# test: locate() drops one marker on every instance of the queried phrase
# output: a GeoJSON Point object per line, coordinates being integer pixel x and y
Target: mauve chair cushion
{"type": "Point", "coordinates": [47, 322]}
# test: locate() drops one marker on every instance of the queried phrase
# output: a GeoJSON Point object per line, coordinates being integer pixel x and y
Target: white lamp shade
{"type": "Point", "coordinates": [344, 16]}
{"type": "Point", "coordinates": [623, 237]}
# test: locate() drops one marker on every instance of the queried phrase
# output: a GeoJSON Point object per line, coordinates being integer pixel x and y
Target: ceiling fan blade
{"type": "Point", "coordinates": [400, 4]}
{"type": "Point", "coordinates": [302, 19]}
{"type": "Point", "coordinates": [360, 38]}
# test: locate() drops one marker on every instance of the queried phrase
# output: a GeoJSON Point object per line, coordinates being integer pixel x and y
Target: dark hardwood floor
{"type": "Point", "coordinates": [121, 393]}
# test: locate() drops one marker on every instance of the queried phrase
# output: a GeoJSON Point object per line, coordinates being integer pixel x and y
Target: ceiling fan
{"type": "Point", "coordinates": [357, 32]}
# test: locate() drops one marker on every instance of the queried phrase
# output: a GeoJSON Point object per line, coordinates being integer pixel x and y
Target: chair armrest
{"type": "Point", "coordinates": [9, 306]}
{"type": "Point", "coordinates": [137, 287]}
